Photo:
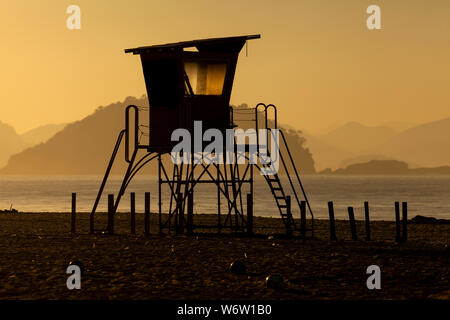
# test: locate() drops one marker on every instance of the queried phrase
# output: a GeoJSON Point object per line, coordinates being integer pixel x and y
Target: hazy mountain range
{"type": "Point", "coordinates": [11, 142]}
{"type": "Point", "coordinates": [42, 133]}
{"type": "Point", "coordinates": [84, 147]}
{"type": "Point", "coordinates": [424, 145]}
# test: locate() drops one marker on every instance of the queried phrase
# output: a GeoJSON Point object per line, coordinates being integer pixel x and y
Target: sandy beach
{"type": "Point", "coordinates": [36, 249]}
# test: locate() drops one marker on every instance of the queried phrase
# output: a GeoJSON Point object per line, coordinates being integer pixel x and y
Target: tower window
{"type": "Point", "coordinates": [204, 77]}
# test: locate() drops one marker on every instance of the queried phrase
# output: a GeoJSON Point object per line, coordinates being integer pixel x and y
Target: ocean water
{"type": "Point", "coordinates": [426, 195]}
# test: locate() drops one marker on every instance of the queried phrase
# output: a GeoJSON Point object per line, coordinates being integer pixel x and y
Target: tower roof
{"type": "Point", "coordinates": [228, 44]}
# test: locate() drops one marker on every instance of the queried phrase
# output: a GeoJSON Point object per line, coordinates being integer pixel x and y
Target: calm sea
{"type": "Point", "coordinates": [428, 196]}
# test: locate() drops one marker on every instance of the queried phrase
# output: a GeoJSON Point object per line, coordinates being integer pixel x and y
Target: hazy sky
{"type": "Point", "coordinates": [316, 59]}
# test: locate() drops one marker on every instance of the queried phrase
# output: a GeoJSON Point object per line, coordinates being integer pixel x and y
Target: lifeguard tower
{"type": "Point", "coordinates": [187, 82]}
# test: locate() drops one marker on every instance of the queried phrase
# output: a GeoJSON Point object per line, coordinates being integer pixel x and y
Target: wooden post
{"type": "Point", "coordinates": [180, 213]}
{"type": "Point", "coordinates": [74, 209]}
{"type": "Point", "coordinates": [332, 225]}
{"type": "Point", "coordinates": [249, 214]}
{"type": "Point", "coordinates": [159, 196]}
{"type": "Point", "coordinates": [219, 219]}
{"type": "Point", "coordinates": [289, 213]}
{"type": "Point", "coordinates": [91, 224]}
{"type": "Point", "coordinates": [133, 212]}
{"type": "Point", "coordinates": [190, 217]}
{"type": "Point", "coordinates": [303, 218]}
{"type": "Point", "coordinates": [397, 222]}
{"type": "Point", "coordinates": [405, 221]}
{"type": "Point", "coordinates": [110, 213]}
{"type": "Point", "coordinates": [351, 216]}
{"type": "Point", "coordinates": [147, 214]}
{"type": "Point", "coordinates": [366, 213]}
{"type": "Point", "coordinates": [177, 215]}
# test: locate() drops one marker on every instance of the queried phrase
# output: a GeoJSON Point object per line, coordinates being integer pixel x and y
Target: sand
{"type": "Point", "coordinates": [36, 249]}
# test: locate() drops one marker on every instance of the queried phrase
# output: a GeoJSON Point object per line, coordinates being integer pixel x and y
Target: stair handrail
{"type": "Point", "coordinates": [105, 178]}
{"type": "Point", "coordinates": [296, 174]}
{"type": "Point", "coordinates": [127, 130]}
{"type": "Point", "coordinates": [266, 107]}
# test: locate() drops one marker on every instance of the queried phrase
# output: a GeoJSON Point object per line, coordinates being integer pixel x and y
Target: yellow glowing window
{"type": "Point", "coordinates": [204, 78]}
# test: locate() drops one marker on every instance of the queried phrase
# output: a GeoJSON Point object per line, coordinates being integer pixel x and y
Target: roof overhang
{"type": "Point", "coordinates": [229, 44]}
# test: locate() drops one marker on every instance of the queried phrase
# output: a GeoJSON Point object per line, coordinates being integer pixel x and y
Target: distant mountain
{"type": "Point", "coordinates": [42, 133]}
{"type": "Point", "coordinates": [82, 147]}
{"type": "Point", "coordinates": [85, 147]}
{"type": "Point", "coordinates": [350, 143]}
{"type": "Point", "coordinates": [387, 167]}
{"type": "Point", "coordinates": [10, 142]}
{"type": "Point", "coordinates": [324, 154]}
{"type": "Point", "coordinates": [399, 126]}
{"type": "Point", "coordinates": [357, 138]}
{"type": "Point", "coordinates": [426, 145]}
{"type": "Point", "coordinates": [363, 158]}
{"type": "Point", "coordinates": [376, 167]}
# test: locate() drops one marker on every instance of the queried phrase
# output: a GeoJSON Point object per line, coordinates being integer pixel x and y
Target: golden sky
{"type": "Point", "coordinates": [316, 59]}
